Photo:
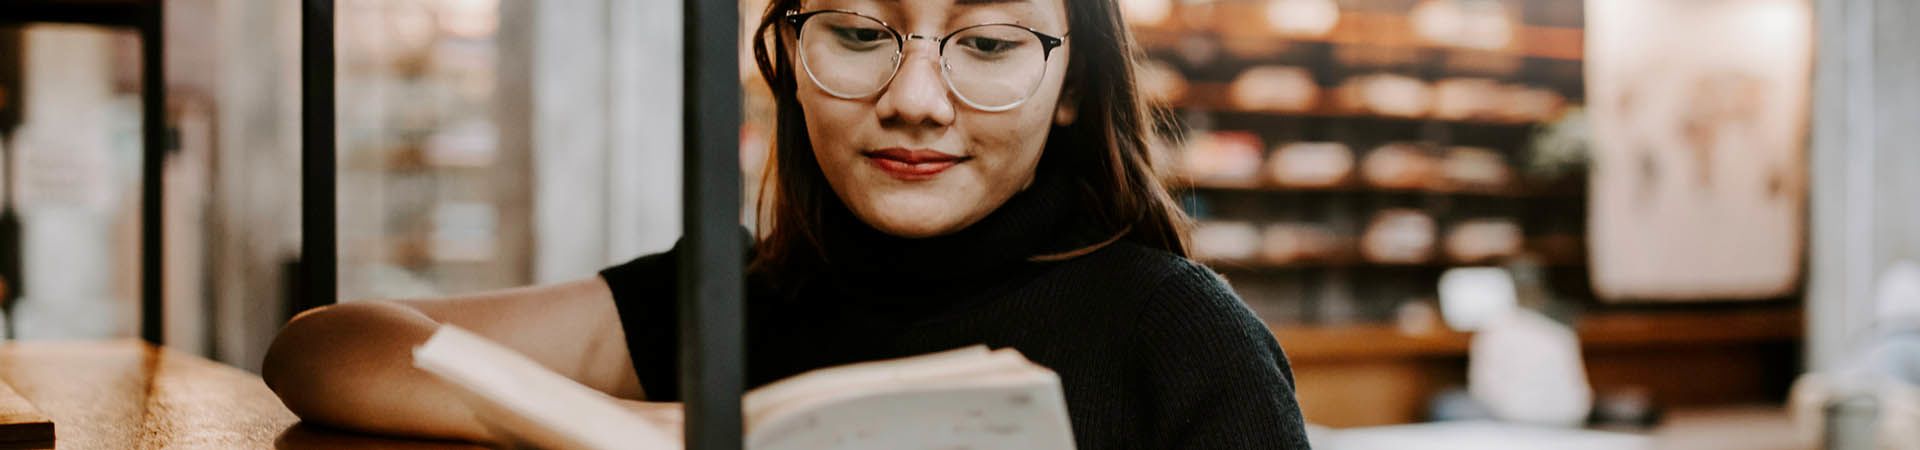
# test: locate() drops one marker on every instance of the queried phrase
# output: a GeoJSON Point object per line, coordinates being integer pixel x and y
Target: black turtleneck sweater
{"type": "Point", "coordinates": [1153, 351]}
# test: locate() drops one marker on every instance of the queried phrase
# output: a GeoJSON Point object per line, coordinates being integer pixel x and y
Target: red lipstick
{"type": "Point", "coordinates": [911, 165]}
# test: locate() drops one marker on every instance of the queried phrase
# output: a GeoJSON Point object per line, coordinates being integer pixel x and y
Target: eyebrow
{"type": "Point", "coordinates": [975, 2]}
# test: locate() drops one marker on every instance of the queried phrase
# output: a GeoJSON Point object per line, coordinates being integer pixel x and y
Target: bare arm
{"type": "Point", "coordinates": [349, 365]}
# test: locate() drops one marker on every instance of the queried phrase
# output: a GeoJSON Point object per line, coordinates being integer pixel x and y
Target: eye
{"type": "Point", "coordinates": [988, 46]}
{"type": "Point", "coordinates": [860, 35]}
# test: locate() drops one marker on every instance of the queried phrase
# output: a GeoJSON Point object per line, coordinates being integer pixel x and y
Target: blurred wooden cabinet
{"type": "Point", "coordinates": [1365, 375]}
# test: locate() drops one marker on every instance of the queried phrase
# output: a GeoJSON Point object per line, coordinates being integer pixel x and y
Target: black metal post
{"type": "Point", "coordinates": [121, 13]}
{"type": "Point", "coordinates": [11, 61]}
{"type": "Point", "coordinates": [711, 281]}
{"type": "Point", "coordinates": [153, 144]}
{"type": "Point", "coordinates": [318, 267]}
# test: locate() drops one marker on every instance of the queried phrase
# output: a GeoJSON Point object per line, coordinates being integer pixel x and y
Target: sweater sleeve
{"type": "Point", "coordinates": [645, 295]}
{"type": "Point", "coordinates": [1213, 374]}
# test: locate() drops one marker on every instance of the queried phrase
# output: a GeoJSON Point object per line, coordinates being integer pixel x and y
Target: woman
{"type": "Point", "coordinates": [946, 173]}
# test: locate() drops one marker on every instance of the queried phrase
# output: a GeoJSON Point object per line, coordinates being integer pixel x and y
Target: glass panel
{"type": "Point", "coordinates": [426, 196]}
{"type": "Point", "coordinates": [73, 160]}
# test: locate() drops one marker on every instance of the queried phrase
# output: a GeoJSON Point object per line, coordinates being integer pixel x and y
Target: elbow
{"type": "Point", "coordinates": [349, 366]}
{"type": "Point", "coordinates": [294, 348]}
{"type": "Point", "coordinates": [298, 360]}
{"type": "Point", "coordinates": [315, 360]}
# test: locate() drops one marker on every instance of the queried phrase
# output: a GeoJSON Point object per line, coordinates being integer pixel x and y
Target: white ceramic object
{"type": "Point", "coordinates": [1526, 368]}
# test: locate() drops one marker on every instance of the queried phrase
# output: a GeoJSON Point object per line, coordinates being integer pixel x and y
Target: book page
{"type": "Point", "coordinates": [525, 401]}
{"type": "Point", "coordinates": [874, 374]}
{"type": "Point", "coordinates": [1023, 409]}
{"type": "Point", "coordinates": [966, 398]}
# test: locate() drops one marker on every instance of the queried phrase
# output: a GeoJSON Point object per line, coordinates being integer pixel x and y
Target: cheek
{"type": "Point", "coordinates": [1012, 140]}
{"type": "Point", "coordinates": [1009, 147]}
{"type": "Point", "coordinates": [1020, 135]}
{"type": "Point", "coordinates": [831, 126]}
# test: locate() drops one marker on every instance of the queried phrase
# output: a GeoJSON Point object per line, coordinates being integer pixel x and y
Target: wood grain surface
{"type": "Point", "coordinates": [22, 425]}
{"type": "Point", "coordinates": [127, 394]}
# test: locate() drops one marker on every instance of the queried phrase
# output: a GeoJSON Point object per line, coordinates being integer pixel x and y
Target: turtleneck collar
{"type": "Point", "coordinates": [869, 268]}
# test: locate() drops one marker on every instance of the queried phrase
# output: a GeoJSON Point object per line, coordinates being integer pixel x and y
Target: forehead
{"type": "Point", "coordinates": [1025, 12]}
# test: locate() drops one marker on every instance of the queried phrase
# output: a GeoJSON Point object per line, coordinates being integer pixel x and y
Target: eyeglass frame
{"type": "Point", "coordinates": [1048, 42]}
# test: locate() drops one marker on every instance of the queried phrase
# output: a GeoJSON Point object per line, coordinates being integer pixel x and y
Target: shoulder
{"type": "Point", "coordinates": [1181, 300]}
{"type": "Point", "coordinates": [1166, 279]}
{"type": "Point", "coordinates": [1170, 294]}
{"type": "Point", "coordinates": [1159, 267]}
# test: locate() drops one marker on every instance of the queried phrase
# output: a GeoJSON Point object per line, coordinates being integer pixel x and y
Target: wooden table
{"type": "Point", "coordinates": [127, 394]}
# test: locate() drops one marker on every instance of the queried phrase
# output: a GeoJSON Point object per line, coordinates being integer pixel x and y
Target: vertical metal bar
{"type": "Point", "coordinates": [153, 144]}
{"type": "Point", "coordinates": [711, 281]}
{"type": "Point", "coordinates": [11, 62]}
{"type": "Point", "coordinates": [318, 266]}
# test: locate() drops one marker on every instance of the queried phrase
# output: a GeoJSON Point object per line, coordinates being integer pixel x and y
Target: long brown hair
{"type": "Point", "coordinates": [1105, 150]}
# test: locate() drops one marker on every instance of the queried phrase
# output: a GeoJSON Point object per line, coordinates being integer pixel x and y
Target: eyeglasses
{"type": "Point", "coordinates": [991, 67]}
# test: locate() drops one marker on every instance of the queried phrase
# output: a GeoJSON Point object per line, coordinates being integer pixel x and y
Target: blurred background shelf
{"type": "Point", "coordinates": [1378, 374]}
{"type": "Point", "coordinates": [1213, 98]}
{"type": "Point", "coordinates": [1356, 264]}
{"type": "Point", "coordinates": [1310, 344]}
{"type": "Point", "coordinates": [1599, 332]}
{"type": "Point", "coordinates": [1520, 192]}
{"type": "Point", "coordinates": [1248, 20]}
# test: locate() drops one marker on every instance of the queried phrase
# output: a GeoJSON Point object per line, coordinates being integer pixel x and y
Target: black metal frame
{"type": "Point", "coordinates": [110, 13]}
{"type": "Point", "coordinates": [712, 360]}
{"type": "Point", "coordinates": [10, 72]}
{"type": "Point", "coordinates": [318, 282]}
{"type": "Point", "coordinates": [147, 17]}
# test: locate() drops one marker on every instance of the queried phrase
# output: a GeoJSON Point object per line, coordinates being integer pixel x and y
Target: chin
{"type": "Point", "coordinates": [912, 229]}
{"type": "Point", "coordinates": [917, 214]}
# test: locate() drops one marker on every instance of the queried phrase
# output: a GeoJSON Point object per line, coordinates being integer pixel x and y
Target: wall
{"type": "Point", "coordinates": [590, 90]}
{"type": "Point", "coordinates": [1866, 169]}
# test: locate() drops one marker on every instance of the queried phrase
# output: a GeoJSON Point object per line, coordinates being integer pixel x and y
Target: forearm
{"type": "Point", "coordinates": [570, 328]}
{"type": "Point", "coordinates": [359, 377]}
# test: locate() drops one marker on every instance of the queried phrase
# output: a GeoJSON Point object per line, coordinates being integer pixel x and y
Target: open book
{"type": "Point", "coordinates": [966, 398]}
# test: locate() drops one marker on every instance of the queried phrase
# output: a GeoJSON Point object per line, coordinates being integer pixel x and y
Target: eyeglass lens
{"type": "Point", "coordinates": [988, 66]}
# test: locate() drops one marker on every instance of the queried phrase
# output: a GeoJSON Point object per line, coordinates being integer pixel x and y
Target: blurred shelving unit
{"type": "Point", "coordinates": [429, 199]}
{"type": "Point", "coordinates": [1380, 374]}
{"type": "Point", "coordinates": [1341, 252]}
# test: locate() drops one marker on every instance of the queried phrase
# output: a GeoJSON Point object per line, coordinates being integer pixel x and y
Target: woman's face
{"type": "Point", "coordinates": [914, 159]}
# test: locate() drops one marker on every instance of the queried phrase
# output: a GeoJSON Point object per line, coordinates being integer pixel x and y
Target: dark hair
{"type": "Point", "coordinates": [1106, 151]}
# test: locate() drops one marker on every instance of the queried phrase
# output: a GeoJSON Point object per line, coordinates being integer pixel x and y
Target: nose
{"type": "Point", "coordinates": [918, 93]}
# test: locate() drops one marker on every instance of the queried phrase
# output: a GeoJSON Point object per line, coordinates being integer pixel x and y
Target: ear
{"type": "Point", "coordinates": [1067, 108]}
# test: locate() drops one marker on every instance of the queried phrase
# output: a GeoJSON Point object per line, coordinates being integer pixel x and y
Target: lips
{"type": "Point", "coordinates": [912, 165]}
